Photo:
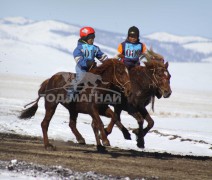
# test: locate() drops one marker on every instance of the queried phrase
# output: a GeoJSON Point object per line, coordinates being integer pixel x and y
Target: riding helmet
{"type": "Point", "coordinates": [133, 31]}
{"type": "Point", "coordinates": [87, 33]}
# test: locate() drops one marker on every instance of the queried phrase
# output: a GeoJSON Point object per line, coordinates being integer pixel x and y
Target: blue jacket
{"type": "Point", "coordinates": [85, 52]}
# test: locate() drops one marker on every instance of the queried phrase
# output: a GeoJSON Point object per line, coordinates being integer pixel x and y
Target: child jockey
{"type": "Point", "coordinates": [85, 54]}
{"type": "Point", "coordinates": [131, 50]}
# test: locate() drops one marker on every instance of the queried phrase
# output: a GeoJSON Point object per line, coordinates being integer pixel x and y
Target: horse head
{"type": "Point", "coordinates": [114, 71]}
{"type": "Point", "coordinates": [159, 73]}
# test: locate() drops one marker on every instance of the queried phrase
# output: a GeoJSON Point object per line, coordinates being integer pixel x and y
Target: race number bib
{"type": "Point", "coordinates": [132, 51]}
{"type": "Point", "coordinates": [89, 51]}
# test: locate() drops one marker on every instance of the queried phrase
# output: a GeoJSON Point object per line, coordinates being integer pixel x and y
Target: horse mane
{"type": "Point", "coordinates": [153, 64]}
{"type": "Point", "coordinates": [151, 55]}
{"type": "Point", "coordinates": [105, 66]}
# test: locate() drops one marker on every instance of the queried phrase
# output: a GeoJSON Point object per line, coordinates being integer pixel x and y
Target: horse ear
{"type": "Point", "coordinates": [151, 49]}
{"type": "Point", "coordinates": [147, 56]}
{"type": "Point", "coordinates": [166, 65]}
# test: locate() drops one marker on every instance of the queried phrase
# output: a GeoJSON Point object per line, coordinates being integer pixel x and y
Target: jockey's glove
{"type": "Point", "coordinates": [90, 64]}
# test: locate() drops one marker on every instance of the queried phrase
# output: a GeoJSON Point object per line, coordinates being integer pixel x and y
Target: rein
{"type": "Point", "coordinates": [120, 85]}
{"type": "Point", "coordinates": [153, 82]}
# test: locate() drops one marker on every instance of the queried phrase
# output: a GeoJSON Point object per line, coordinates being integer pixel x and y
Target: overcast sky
{"type": "Point", "coordinates": [180, 17]}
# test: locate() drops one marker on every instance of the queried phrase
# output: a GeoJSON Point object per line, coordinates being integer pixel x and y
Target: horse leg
{"type": "Point", "coordinates": [109, 113]}
{"type": "Point", "coordinates": [97, 123]}
{"type": "Point", "coordinates": [148, 118]}
{"type": "Point", "coordinates": [100, 148]}
{"type": "Point", "coordinates": [115, 119]}
{"type": "Point", "coordinates": [123, 129]}
{"type": "Point", "coordinates": [50, 110]}
{"type": "Point", "coordinates": [150, 124]}
{"type": "Point", "coordinates": [72, 125]}
{"type": "Point", "coordinates": [139, 132]}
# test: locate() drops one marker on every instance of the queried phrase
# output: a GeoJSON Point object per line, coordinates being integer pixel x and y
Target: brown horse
{"type": "Point", "coordinates": [114, 76]}
{"type": "Point", "coordinates": [147, 82]}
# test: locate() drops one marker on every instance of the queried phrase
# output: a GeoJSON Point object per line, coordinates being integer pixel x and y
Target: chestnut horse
{"type": "Point", "coordinates": [147, 82]}
{"type": "Point", "coordinates": [114, 75]}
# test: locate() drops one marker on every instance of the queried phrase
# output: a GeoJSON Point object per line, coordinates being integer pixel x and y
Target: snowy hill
{"type": "Point", "coordinates": [54, 34]}
{"type": "Point", "coordinates": [179, 48]}
{"type": "Point", "coordinates": [62, 37]}
{"type": "Point", "coordinates": [25, 41]}
{"type": "Point", "coordinates": [165, 37]}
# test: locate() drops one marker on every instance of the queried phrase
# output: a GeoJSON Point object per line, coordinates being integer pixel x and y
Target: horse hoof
{"type": "Point", "coordinates": [50, 147]}
{"type": "Point", "coordinates": [81, 141]}
{"type": "Point", "coordinates": [101, 149]}
{"type": "Point", "coordinates": [140, 145]}
{"type": "Point", "coordinates": [126, 134]}
{"type": "Point", "coordinates": [106, 143]}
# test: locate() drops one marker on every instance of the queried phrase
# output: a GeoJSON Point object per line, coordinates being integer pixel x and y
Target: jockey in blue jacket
{"type": "Point", "coordinates": [85, 54]}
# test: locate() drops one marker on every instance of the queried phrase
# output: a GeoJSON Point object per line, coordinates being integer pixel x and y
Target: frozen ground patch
{"type": "Point", "coordinates": [19, 170]}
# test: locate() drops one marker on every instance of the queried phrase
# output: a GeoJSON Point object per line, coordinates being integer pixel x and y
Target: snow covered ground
{"type": "Point", "coordinates": [183, 122]}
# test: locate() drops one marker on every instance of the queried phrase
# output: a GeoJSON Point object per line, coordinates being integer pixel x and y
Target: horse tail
{"type": "Point", "coordinates": [30, 112]}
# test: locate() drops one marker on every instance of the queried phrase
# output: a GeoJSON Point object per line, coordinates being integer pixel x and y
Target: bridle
{"type": "Point", "coordinates": [154, 80]}
{"type": "Point", "coordinates": [119, 84]}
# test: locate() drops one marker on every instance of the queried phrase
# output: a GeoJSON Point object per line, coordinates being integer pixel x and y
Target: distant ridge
{"type": "Point", "coordinates": [63, 37]}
